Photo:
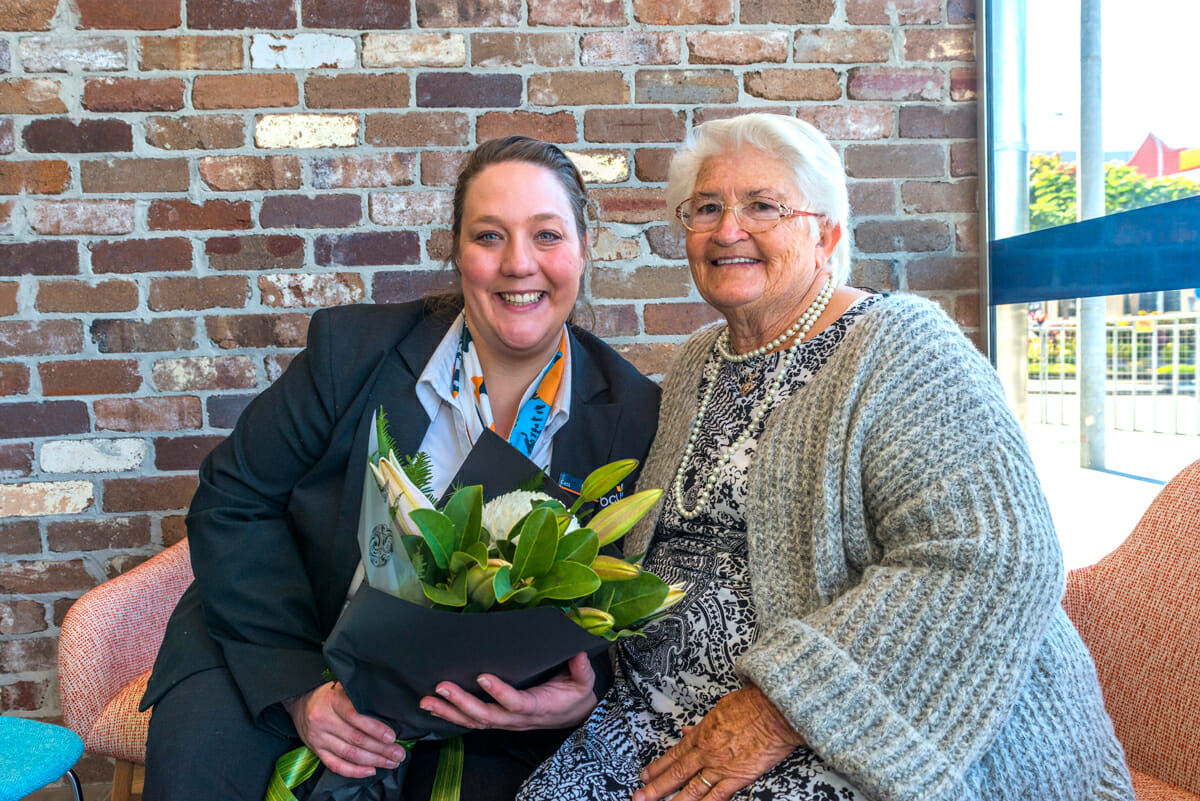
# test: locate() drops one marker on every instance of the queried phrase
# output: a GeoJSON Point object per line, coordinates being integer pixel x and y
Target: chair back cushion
{"type": "Point", "coordinates": [1143, 630]}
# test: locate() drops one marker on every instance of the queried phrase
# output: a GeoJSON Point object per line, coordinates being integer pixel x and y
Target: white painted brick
{"type": "Point", "coordinates": [601, 168]}
{"type": "Point", "coordinates": [92, 456]}
{"type": "Point", "coordinates": [305, 51]}
{"type": "Point", "coordinates": [412, 208]}
{"type": "Point", "coordinates": [306, 130]}
{"type": "Point", "coordinates": [64, 54]}
{"type": "Point", "coordinates": [45, 498]}
{"type": "Point", "coordinates": [414, 50]}
{"type": "Point", "coordinates": [82, 217]}
{"type": "Point", "coordinates": [610, 247]}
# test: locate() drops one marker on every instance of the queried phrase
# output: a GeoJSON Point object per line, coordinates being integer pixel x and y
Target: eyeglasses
{"type": "Point", "coordinates": [754, 216]}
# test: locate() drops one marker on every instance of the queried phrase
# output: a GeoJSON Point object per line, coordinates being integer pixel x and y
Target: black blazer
{"type": "Point", "coordinates": [273, 524]}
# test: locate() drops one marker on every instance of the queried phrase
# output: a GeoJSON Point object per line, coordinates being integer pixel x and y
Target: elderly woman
{"type": "Point", "coordinates": [873, 579]}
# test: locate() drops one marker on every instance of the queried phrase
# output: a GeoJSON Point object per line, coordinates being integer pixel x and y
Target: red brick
{"type": "Point", "coordinates": [119, 176]}
{"type": "Point", "coordinates": [174, 529]}
{"type": "Point", "coordinates": [404, 285]}
{"type": "Point", "coordinates": [242, 173]}
{"type": "Point", "coordinates": [34, 177]}
{"type": "Point", "coordinates": [901, 236]}
{"type": "Point", "coordinates": [133, 94]}
{"type": "Point", "coordinates": [48, 419]}
{"type": "Point", "coordinates": [963, 84]}
{"type": "Point", "coordinates": [492, 49]}
{"type": "Point", "coordinates": [634, 204]}
{"type": "Point", "coordinates": [666, 241]}
{"type": "Point", "coordinates": [894, 83]}
{"type": "Point", "coordinates": [31, 96]}
{"type": "Point", "coordinates": [468, 90]}
{"type": "Point", "coordinates": [634, 125]}
{"type": "Point", "coordinates": [649, 359]}
{"type": "Point", "coordinates": [877, 274]}
{"type": "Point", "coordinates": [943, 272]}
{"type": "Point", "coordinates": [141, 255]}
{"type": "Point", "coordinates": [275, 364]}
{"type": "Point", "coordinates": [367, 249]}
{"type": "Point", "coordinates": [29, 654]}
{"type": "Point", "coordinates": [610, 48]}
{"type": "Point", "coordinates": [964, 159]}
{"type": "Point", "coordinates": [148, 494]}
{"type": "Point", "coordinates": [255, 252]}
{"type": "Point", "coordinates": [222, 15]}
{"type": "Point", "coordinates": [614, 320]}
{"type": "Point", "coordinates": [939, 44]}
{"type": "Point", "coordinates": [931, 197]}
{"type": "Point", "coordinates": [872, 199]}
{"type": "Point", "coordinates": [310, 290]}
{"type": "Point", "coordinates": [689, 87]}
{"type": "Point", "coordinates": [966, 235]}
{"type": "Point", "coordinates": [966, 310]}
{"type": "Point", "coordinates": [21, 617]}
{"type": "Point", "coordinates": [137, 336]}
{"type": "Point", "coordinates": [440, 245]}
{"type": "Point", "coordinates": [28, 696]}
{"type": "Point", "coordinates": [825, 45]}
{"type": "Point", "coordinates": [204, 292]}
{"type": "Point", "coordinates": [319, 211]}
{"type": "Point", "coordinates": [6, 222]}
{"type": "Point", "coordinates": [245, 91]}
{"type": "Point", "coordinates": [224, 409]}
{"type": "Point", "coordinates": [66, 217]}
{"type": "Point", "coordinates": [122, 563]}
{"type": "Point", "coordinates": [424, 129]}
{"type": "Point", "coordinates": [361, 15]}
{"type": "Point", "coordinates": [736, 47]}
{"type": "Point", "coordinates": [556, 127]}
{"type": "Point", "coordinates": [258, 331]}
{"type": "Point", "coordinates": [786, 12]}
{"type": "Point", "coordinates": [575, 13]}
{"type": "Point", "coordinates": [586, 88]}
{"type": "Point", "coordinates": [82, 296]}
{"type": "Point", "coordinates": [678, 318]}
{"type": "Point", "coordinates": [390, 169]}
{"type": "Point", "coordinates": [198, 373]}
{"type": "Point", "coordinates": [700, 12]}
{"type": "Point", "coordinates": [20, 537]}
{"type": "Point", "coordinates": [218, 132]}
{"type": "Point", "coordinates": [644, 282]}
{"type": "Point", "coordinates": [27, 15]}
{"type": "Point", "coordinates": [879, 12]}
{"type": "Point", "coordinates": [856, 122]}
{"type": "Point", "coordinates": [384, 90]}
{"type": "Point", "coordinates": [145, 15]}
{"type": "Point", "coordinates": [8, 298]}
{"type": "Point", "coordinates": [895, 161]}
{"type": "Point", "coordinates": [183, 453]}
{"type": "Point", "coordinates": [938, 122]}
{"type": "Point", "coordinates": [92, 377]}
{"type": "Point", "coordinates": [98, 534]}
{"type": "Point", "coordinates": [183, 215]}
{"type": "Point", "coordinates": [16, 459]}
{"type": "Point", "coordinates": [179, 53]}
{"type": "Point", "coordinates": [960, 12]}
{"type": "Point", "coordinates": [493, 14]}
{"type": "Point", "coordinates": [793, 84]}
{"type": "Point", "coordinates": [14, 379]}
{"type": "Point", "coordinates": [650, 163]}
{"type": "Point", "coordinates": [148, 414]}
{"type": "Point", "coordinates": [25, 338]}
{"type": "Point", "coordinates": [85, 136]}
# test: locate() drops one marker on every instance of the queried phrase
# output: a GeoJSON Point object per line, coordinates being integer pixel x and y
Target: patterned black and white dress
{"type": "Point", "coordinates": [675, 674]}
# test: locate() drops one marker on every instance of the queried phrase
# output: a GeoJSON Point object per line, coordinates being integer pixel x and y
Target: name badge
{"type": "Point", "coordinates": [574, 486]}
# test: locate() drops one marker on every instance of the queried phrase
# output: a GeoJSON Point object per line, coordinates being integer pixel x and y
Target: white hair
{"type": "Point", "coordinates": [814, 164]}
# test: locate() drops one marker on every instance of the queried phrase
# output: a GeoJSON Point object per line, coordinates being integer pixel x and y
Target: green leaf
{"type": "Point", "coordinates": [630, 601]}
{"type": "Point", "coordinates": [537, 545]}
{"type": "Point", "coordinates": [567, 580]}
{"type": "Point", "coordinates": [505, 550]}
{"type": "Point", "coordinates": [422, 559]}
{"type": "Point", "coordinates": [455, 595]}
{"type": "Point", "coordinates": [580, 545]}
{"type": "Point", "coordinates": [439, 533]}
{"type": "Point", "coordinates": [383, 438]}
{"type": "Point", "coordinates": [502, 584]}
{"type": "Point", "coordinates": [463, 560]}
{"type": "Point", "coordinates": [602, 480]}
{"type": "Point", "coordinates": [465, 508]}
{"type": "Point", "coordinates": [523, 597]}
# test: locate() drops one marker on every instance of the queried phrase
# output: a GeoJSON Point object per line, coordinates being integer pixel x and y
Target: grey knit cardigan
{"type": "Point", "coordinates": [906, 573]}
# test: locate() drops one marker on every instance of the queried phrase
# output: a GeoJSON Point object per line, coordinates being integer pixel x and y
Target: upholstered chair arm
{"type": "Point", "coordinates": [1078, 598]}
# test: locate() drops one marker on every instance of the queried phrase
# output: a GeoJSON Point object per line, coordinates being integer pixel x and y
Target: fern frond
{"type": "Point", "coordinates": [419, 469]}
{"type": "Point", "coordinates": [384, 439]}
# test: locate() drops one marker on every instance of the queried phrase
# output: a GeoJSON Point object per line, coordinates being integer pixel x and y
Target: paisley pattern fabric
{"type": "Point", "coordinates": [674, 675]}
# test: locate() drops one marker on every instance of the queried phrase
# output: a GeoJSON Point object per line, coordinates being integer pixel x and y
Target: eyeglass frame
{"type": "Point", "coordinates": [785, 212]}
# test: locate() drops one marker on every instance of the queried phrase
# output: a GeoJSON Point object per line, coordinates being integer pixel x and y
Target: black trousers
{"type": "Point", "coordinates": [203, 745]}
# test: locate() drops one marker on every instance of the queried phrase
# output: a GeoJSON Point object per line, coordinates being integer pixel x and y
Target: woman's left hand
{"type": "Point", "coordinates": [742, 738]}
{"type": "Point", "coordinates": [565, 700]}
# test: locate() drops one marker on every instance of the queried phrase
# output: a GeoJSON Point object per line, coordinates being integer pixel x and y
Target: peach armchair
{"type": "Point", "coordinates": [106, 648]}
{"type": "Point", "coordinates": [1138, 610]}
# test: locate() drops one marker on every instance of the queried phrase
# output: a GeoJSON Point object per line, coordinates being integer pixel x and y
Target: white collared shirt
{"type": "Point", "coordinates": [446, 441]}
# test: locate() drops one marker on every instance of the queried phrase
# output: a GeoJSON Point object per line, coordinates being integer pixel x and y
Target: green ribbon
{"type": "Point", "coordinates": [297, 765]}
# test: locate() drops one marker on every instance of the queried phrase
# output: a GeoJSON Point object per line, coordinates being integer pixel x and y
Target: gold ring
{"type": "Point", "coordinates": [707, 783]}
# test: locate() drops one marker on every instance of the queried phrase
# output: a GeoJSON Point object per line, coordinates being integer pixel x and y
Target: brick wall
{"type": "Point", "coordinates": [183, 181]}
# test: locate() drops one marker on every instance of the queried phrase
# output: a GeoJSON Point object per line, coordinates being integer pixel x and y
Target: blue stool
{"type": "Point", "coordinates": [33, 754]}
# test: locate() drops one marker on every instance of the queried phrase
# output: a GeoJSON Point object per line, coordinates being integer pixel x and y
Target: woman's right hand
{"type": "Point", "coordinates": [347, 743]}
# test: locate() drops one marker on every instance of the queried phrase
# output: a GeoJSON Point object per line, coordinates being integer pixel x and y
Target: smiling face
{"type": "Point", "coordinates": [521, 259]}
{"type": "Point", "coordinates": [757, 281]}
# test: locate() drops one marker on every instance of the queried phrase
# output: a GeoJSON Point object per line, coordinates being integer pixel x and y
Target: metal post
{"type": "Point", "coordinates": [1092, 311]}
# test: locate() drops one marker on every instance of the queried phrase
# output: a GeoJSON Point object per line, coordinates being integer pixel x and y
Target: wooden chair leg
{"type": "Point", "coordinates": [122, 787]}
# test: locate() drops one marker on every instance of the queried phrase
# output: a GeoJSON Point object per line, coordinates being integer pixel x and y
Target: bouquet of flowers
{"type": "Point", "coordinates": [524, 558]}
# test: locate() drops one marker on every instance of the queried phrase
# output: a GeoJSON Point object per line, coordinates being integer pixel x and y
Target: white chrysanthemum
{"type": "Point", "coordinates": [501, 513]}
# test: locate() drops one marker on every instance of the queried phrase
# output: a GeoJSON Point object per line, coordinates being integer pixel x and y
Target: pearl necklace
{"type": "Point", "coordinates": [802, 327]}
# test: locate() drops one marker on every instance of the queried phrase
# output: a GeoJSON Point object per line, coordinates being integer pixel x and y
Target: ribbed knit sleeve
{"type": "Point", "coordinates": [903, 559]}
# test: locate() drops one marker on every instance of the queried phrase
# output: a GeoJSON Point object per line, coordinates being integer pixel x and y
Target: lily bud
{"type": "Point", "coordinates": [674, 595]}
{"type": "Point", "coordinates": [611, 523]}
{"type": "Point", "coordinates": [610, 568]}
{"type": "Point", "coordinates": [594, 621]}
{"type": "Point", "coordinates": [403, 495]}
